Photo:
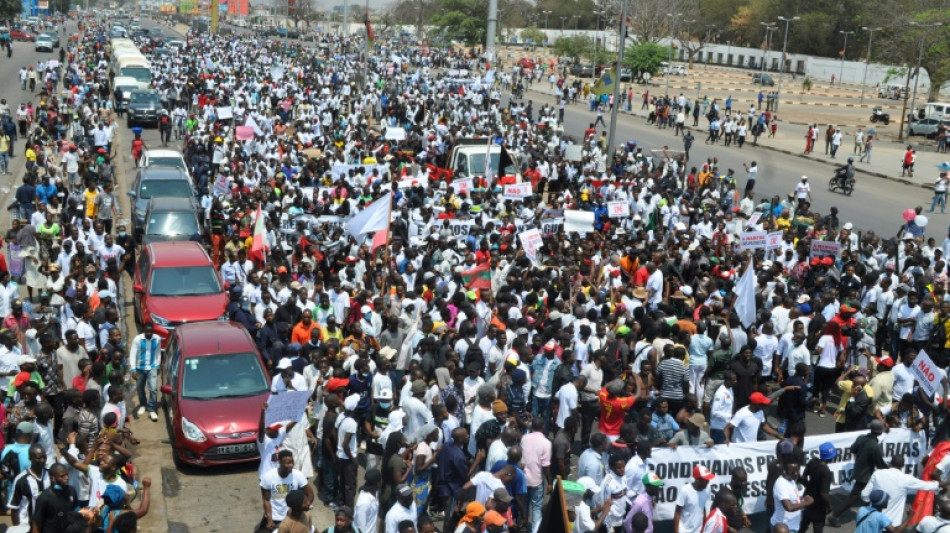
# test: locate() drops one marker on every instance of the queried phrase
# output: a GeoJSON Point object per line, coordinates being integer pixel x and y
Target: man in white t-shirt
{"type": "Point", "coordinates": [485, 483]}
{"type": "Point", "coordinates": [744, 426]}
{"type": "Point", "coordinates": [567, 397]}
{"type": "Point", "coordinates": [276, 483]}
{"type": "Point", "coordinates": [789, 499]}
{"type": "Point", "coordinates": [269, 440]}
{"type": "Point", "coordinates": [691, 502]}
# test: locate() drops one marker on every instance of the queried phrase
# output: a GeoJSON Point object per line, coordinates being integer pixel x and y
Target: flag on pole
{"type": "Point", "coordinates": [258, 246]}
{"type": "Point", "coordinates": [478, 277]}
{"type": "Point", "coordinates": [745, 297]}
{"type": "Point", "coordinates": [370, 34]}
{"type": "Point", "coordinates": [488, 169]}
{"type": "Point", "coordinates": [372, 218]}
{"type": "Point", "coordinates": [605, 85]}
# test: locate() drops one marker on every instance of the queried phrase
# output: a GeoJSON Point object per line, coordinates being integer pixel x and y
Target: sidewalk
{"type": "Point", "coordinates": [790, 139]}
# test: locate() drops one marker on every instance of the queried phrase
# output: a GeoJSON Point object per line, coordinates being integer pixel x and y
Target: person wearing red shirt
{"type": "Point", "coordinates": [716, 522]}
{"type": "Point", "coordinates": [614, 403]}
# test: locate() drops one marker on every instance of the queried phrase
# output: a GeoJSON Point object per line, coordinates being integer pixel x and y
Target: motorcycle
{"type": "Point", "coordinates": [878, 115]}
{"type": "Point", "coordinates": [841, 182]}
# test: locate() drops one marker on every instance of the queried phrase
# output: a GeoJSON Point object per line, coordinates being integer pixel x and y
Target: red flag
{"type": "Point", "coordinates": [478, 277]}
{"type": "Point", "coordinates": [258, 246]}
{"type": "Point", "coordinates": [379, 239]}
{"type": "Point", "coordinates": [370, 34]}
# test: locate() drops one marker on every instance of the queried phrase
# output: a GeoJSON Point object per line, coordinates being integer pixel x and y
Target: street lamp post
{"type": "Point", "coordinates": [598, 12]}
{"type": "Point", "coordinates": [769, 26]}
{"type": "Point", "coordinates": [546, 13]}
{"type": "Point", "coordinates": [867, 60]}
{"type": "Point", "coordinates": [577, 19]}
{"type": "Point", "coordinates": [669, 55]}
{"type": "Point", "coordinates": [563, 19]}
{"type": "Point", "coordinates": [844, 52]}
{"type": "Point", "coordinates": [729, 53]}
{"type": "Point", "coordinates": [686, 45]}
{"type": "Point", "coordinates": [778, 94]}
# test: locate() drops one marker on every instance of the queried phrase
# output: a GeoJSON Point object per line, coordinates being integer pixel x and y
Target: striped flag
{"type": "Point", "coordinates": [478, 277]}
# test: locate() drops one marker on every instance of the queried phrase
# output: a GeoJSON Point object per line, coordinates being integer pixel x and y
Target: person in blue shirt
{"type": "Point", "coordinates": [871, 518]}
{"type": "Point", "coordinates": [21, 445]}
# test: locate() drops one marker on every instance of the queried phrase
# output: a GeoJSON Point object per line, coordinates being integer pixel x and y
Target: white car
{"type": "Point", "coordinates": [44, 43]}
{"type": "Point", "coordinates": [165, 158]}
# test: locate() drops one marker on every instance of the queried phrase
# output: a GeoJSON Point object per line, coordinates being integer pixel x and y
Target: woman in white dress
{"type": "Point", "coordinates": [30, 252]}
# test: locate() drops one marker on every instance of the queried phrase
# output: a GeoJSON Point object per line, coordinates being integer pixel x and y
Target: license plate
{"type": "Point", "coordinates": [237, 448]}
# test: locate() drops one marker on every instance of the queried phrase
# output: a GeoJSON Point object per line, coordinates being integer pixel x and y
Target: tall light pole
{"type": "Point", "coordinates": [491, 30]}
{"type": "Point", "coordinates": [577, 19]}
{"type": "Point", "coordinates": [920, 60]}
{"type": "Point", "coordinates": [687, 23]}
{"type": "Point", "coordinates": [778, 94]}
{"type": "Point", "coordinates": [546, 13]}
{"type": "Point", "coordinates": [844, 52]}
{"type": "Point", "coordinates": [669, 55]}
{"type": "Point", "coordinates": [563, 19]}
{"type": "Point", "coordinates": [867, 60]}
{"type": "Point", "coordinates": [597, 12]}
{"type": "Point", "coordinates": [769, 26]}
{"type": "Point", "coordinates": [621, 42]}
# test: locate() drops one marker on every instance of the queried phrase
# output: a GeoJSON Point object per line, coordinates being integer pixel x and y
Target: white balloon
{"type": "Point", "coordinates": [921, 220]}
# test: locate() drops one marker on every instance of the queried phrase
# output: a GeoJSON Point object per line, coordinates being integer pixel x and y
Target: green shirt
{"type": "Point", "coordinates": [718, 363]}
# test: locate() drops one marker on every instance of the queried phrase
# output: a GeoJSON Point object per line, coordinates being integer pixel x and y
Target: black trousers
{"type": "Point", "coordinates": [346, 485]}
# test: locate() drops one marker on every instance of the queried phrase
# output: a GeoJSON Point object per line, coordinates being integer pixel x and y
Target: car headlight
{"type": "Point", "coordinates": [160, 321]}
{"type": "Point", "coordinates": [191, 431]}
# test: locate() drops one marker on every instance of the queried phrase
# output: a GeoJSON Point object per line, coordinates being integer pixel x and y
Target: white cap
{"type": "Point", "coordinates": [848, 226]}
{"type": "Point", "coordinates": [284, 363]}
{"type": "Point", "coordinates": [351, 402]}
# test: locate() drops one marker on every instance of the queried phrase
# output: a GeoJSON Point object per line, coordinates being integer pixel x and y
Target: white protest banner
{"type": "Point", "coordinates": [926, 372]}
{"type": "Point", "coordinates": [675, 467]}
{"type": "Point", "coordinates": [823, 248]}
{"type": "Point", "coordinates": [287, 406]}
{"type": "Point", "coordinates": [578, 221]}
{"type": "Point", "coordinates": [552, 226]}
{"type": "Point", "coordinates": [531, 241]}
{"type": "Point", "coordinates": [517, 191]}
{"type": "Point", "coordinates": [463, 186]}
{"type": "Point", "coordinates": [773, 241]}
{"type": "Point", "coordinates": [224, 113]}
{"type": "Point", "coordinates": [752, 240]}
{"type": "Point", "coordinates": [618, 209]}
{"type": "Point", "coordinates": [395, 134]}
{"type": "Point", "coordinates": [753, 219]}
{"type": "Point", "coordinates": [460, 228]}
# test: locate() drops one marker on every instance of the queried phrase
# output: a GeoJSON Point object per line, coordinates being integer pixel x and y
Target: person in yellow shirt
{"type": "Point", "coordinates": [91, 194]}
{"type": "Point", "coordinates": [784, 221]}
{"type": "Point", "coordinates": [855, 404]}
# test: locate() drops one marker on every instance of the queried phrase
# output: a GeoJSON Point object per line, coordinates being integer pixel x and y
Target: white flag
{"type": "Point", "coordinates": [489, 174]}
{"type": "Point", "coordinates": [373, 218]}
{"type": "Point", "coordinates": [745, 297]}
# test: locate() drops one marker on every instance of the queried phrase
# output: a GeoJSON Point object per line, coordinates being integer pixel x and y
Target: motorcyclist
{"type": "Point", "coordinates": [844, 172]}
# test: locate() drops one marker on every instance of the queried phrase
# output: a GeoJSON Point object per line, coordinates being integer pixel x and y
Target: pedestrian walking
{"type": "Point", "coordinates": [940, 193]}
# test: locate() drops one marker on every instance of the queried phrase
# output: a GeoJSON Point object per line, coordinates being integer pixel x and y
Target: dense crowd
{"type": "Point", "coordinates": [456, 377]}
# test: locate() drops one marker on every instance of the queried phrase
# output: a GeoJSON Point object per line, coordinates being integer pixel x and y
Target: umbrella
{"type": "Point", "coordinates": [944, 166]}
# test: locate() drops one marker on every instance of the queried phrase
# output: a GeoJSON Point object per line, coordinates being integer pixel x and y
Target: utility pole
{"type": "Point", "coordinates": [867, 60]}
{"type": "Point", "coordinates": [844, 51]}
{"type": "Point", "coordinates": [621, 44]}
{"type": "Point", "coordinates": [778, 94]}
{"type": "Point", "coordinates": [597, 12]}
{"type": "Point", "coordinates": [669, 54]}
{"type": "Point", "coordinates": [546, 40]}
{"type": "Point", "coordinates": [769, 26]}
{"type": "Point", "coordinates": [492, 29]}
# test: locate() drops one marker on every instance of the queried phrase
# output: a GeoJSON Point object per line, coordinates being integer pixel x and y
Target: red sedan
{"type": "Point", "coordinates": [20, 35]}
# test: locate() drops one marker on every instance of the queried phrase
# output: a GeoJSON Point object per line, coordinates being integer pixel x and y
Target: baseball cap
{"type": "Point", "coordinates": [403, 490]}
{"type": "Point", "coordinates": [701, 472]}
{"type": "Point", "coordinates": [827, 451]}
{"type": "Point", "coordinates": [336, 384]}
{"type": "Point", "coordinates": [885, 361]}
{"type": "Point", "coordinates": [384, 394]}
{"type": "Point", "coordinates": [758, 398]}
{"type": "Point", "coordinates": [24, 427]}
{"type": "Point", "coordinates": [878, 498]}
{"type": "Point", "coordinates": [654, 481]}
{"type": "Point", "coordinates": [501, 494]}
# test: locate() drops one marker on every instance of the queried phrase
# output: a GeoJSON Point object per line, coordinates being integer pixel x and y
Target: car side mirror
{"type": "Point", "coordinates": [166, 389]}
{"type": "Point", "coordinates": [138, 288]}
{"type": "Point", "coordinates": [131, 194]}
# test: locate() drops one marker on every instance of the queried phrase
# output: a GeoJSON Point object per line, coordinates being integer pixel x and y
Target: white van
{"type": "Point", "coordinates": [937, 110]}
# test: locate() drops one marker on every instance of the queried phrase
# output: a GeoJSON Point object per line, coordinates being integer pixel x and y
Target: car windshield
{"type": "Point", "coordinates": [166, 162]}
{"type": "Point", "coordinates": [228, 375]}
{"type": "Point", "coordinates": [164, 188]}
{"type": "Point", "coordinates": [478, 163]}
{"type": "Point", "coordinates": [185, 281]}
{"type": "Point", "coordinates": [140, 74]}
{"type": "Point", "coordinates": [172, 223]}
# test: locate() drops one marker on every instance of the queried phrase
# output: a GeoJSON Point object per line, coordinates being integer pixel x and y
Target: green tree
{"type": "Point", "coordinates": [463, 20]}
{"type": "Point", "coordinates": [645, 58]}
{"type": "Point", "coordinates": [534, 35]}
{"type": "Point", "coordinates": [574, 47]}
{"type": "Point", "coordinates": [10, 9]}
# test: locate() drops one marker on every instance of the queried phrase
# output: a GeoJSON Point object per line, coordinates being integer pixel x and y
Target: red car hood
{"type": "Point", "coordinates": [226, 416]}
{"type": "Point", "coordinates": [188, 308]}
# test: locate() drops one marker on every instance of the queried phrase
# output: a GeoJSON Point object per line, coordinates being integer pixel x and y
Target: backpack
{"type": "Point", "coordinates": [10, 465]}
